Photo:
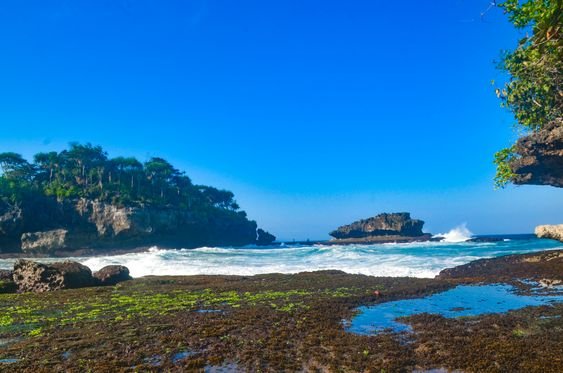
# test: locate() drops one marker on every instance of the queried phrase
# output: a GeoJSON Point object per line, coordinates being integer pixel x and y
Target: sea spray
{"type": "Point", "coordinates": [458, 234]}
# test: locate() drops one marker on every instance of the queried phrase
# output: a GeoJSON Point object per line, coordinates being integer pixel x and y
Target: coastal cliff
{"type": "Point", "coordinates": [81, 199]}
{"type": "Point", "coordinates": [386, 227]}
{"type": "Point", "coordinates": [91, 224]}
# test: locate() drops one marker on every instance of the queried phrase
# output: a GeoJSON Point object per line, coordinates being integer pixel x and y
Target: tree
{"type": "Point", "coordinates": [533, 91]}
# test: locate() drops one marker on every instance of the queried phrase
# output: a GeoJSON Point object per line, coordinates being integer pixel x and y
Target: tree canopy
{"type": "Point", "coordinates": [533, 91]}
{"type": "Point", "coordinates": [86, 171]}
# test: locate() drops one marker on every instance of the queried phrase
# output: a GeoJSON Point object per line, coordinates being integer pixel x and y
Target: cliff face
{"type": "Point", "coordinates": [540, 160]}
{"type": "Point", "coordinates": [554, 232]}
{"type": "Point", "coordinates": [395, 224]}
{"type": "Point", "coordinates": [87, 224]}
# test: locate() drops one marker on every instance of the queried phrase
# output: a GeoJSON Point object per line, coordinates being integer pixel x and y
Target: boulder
{"type": "Point", "coordinates": [539, 158]}
{"type": "Point", "coordinates": [554, 232]}
{"type": "Point", "coordinates": [264, 238]}
{"type": "Point", "coordinates": [395, 224]}
{"type": "Point", "coordinates": [44, 242]}
{"type": "Point", "coordinates": [37, 277]}
{"type": "Point", "coordinates": [7, 284]}
{"type": "Point", "coordinates": [111, 275]}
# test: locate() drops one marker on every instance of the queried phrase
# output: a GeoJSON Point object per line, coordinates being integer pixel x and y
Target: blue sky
{"type": "Point", "coordinates": [314, 113]}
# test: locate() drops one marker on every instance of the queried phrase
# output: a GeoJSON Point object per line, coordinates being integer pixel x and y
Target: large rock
{"type": "Point", "coordinates": [112, 274]}
{"type": "Point", "coordinates": [7, 284]}
{"type": "Point", "coordinates": [540, 157]}
{"type": "Point", "coordinates": [555, 232]}
{"type": "Point", "coordinates": [264, 238]}
{"type": "Point", "coordinates": [395, 224]}
{"type": "Point", "coordinates": [44, 242]}
{"type": "Point", "coordinates": [37, 277]}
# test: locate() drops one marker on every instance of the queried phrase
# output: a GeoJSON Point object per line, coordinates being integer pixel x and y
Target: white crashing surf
{"type": "Point", "coordinates": [458, 234]}
{"type": "Point", "coordinates": [417, 259]}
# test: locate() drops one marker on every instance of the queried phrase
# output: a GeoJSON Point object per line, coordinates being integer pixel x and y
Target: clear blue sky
{"type": "Point", "coordinates": [314, 113]}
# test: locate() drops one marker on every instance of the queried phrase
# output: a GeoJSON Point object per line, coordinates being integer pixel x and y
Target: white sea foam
{"type": "Point", "coordinates": [416, 259]}
{"type": "Point", "coordinates": [458, 234]}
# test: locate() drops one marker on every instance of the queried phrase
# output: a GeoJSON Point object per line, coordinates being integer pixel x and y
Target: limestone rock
{"type": "Point", "coordinates": [540, 157]}
{"type": "Point", "coordinates": [395, 224]}
{"type": "Point", "coordinates": [37, 277]}
{"type": "Point", "coordinates": [555, 232]}
{"type": "Point", "coordinates": [44, 242]}
{"type": "Point", "coordinates": [111, 275]}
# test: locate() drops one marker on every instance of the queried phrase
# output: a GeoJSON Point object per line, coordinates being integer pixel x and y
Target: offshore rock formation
{"type": "Point", "coordinates": [554, 232]}
{"type": "Point", "coordinates": [540, 157]}
{"type": "Point", "coordinates": [264, 238]}
{"type": "Point", "coordinates": [91, 224]}
{"type": "Point", "coordinates": [383, 227]}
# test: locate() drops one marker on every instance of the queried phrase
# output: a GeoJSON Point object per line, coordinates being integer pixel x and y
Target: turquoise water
{"type": "Point", "coordinates": [423, 259]}
{"type": "Point", "coordinates": [463, 300]}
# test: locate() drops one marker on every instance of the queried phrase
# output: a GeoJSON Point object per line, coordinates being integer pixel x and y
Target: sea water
{"type": "Point", "coordinates": [419, 259]}
{"type": "Point", "coordinates": [463, 300]}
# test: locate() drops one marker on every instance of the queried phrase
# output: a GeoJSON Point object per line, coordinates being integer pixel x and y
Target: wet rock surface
{"type": "Point", "coordinates": [275, 323]}
{"type": "Point", "coordinates": [395, 225]}
{"type": "Point", "coordinates": [111, 275]}
{"type": "Point", "coordinates": [545, 264]}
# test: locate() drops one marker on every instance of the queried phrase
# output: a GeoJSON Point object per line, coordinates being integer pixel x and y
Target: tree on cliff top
{"type": "Point", "coordinates": [533, 92]}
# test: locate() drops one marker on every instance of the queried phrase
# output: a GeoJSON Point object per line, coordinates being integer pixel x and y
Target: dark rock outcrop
{"type": "Point", "coordinates": [540, 157]}
{"type": "Point", "coordinates": [37, 277]}
{"type": "Point", "coordinates": [111, 275]}
{"type": "Point", "coordinates": [395, 224]}
{"type": "Point", "coordinates": [264, 238]}
{"type": "Point", "coordinates": [544, 264]}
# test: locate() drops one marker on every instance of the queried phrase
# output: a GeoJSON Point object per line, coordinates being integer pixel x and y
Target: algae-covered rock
{"type": "Point", "coordinates": [111, 275]}
{"type": "Point", "coordinates": [7, 284]}
{"type": "Point", "coordinates": [37, 277]}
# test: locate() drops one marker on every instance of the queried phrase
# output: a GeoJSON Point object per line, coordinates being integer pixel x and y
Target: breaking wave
{"type": "Point", "coordinates": [418, 259]}
{"type": "Point", "coordinates": [458, 234]}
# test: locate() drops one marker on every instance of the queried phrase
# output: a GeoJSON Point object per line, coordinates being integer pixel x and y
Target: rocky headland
{"type": "Point", "coordinates": [386, 227]}
{"type": "Point", "coordinates": [80, 200]}
{"type": "Point", "coordinates": [554, 232]}
{"type": "Point", "coordinates": [76, 225]}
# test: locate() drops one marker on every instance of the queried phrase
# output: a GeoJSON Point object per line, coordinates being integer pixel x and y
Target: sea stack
{"type": "Point", "coordinates": [386, 227]}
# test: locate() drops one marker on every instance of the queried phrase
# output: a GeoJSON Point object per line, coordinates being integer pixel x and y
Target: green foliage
{"type": "Point", "coordinates": [504, 171]}
{"type": "Point", "coordinates": [85, 171]}
{"type": "Point", "coordinates": [533, 91]}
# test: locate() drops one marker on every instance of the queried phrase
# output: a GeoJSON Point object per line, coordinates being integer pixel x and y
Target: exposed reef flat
{"type": "Point", "coordinates": [277, 322]}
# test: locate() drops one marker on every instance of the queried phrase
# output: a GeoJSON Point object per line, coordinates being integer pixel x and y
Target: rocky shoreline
{"type": "Point", "coordinates": [279, 322]}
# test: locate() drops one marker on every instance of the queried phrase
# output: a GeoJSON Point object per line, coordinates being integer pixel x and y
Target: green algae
{"type": "Point", "coordinates": [31, 312]}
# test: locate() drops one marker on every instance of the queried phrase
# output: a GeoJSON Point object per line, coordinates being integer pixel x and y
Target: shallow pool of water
{"type": "Point", "coordinates": [463, 300]}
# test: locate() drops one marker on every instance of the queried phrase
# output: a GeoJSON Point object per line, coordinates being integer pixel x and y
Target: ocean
{"type": "Point", "coordinates": [420, 259]}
